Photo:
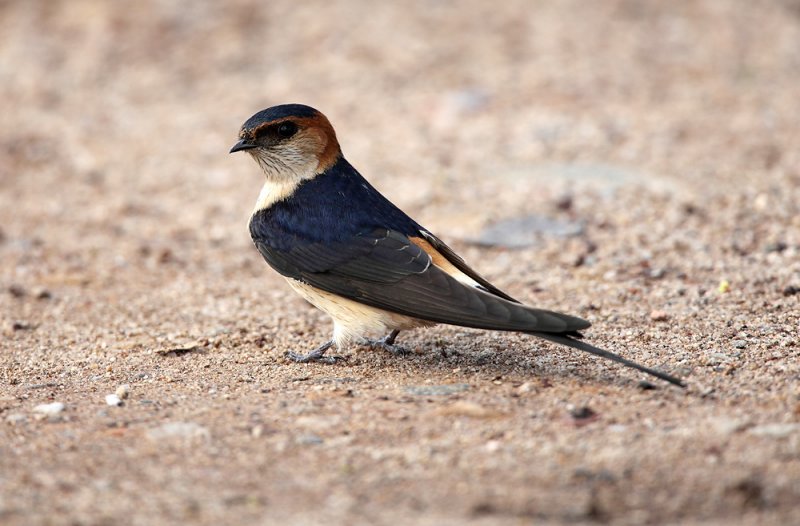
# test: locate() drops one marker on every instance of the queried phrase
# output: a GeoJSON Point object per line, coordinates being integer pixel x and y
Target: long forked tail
{"type": "Point", "coordinates": [577, 344]}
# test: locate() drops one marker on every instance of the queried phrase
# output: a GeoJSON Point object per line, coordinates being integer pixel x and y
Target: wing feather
{"type": "Point", "coordinates": [456, 260]}
{"type": "Point", "coordinates": [384, 269]}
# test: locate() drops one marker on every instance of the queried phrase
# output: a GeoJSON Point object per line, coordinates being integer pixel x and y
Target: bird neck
{"type": "Point", "coordinates": [283, 180]}
{"type": "Point", "coordinates": [274, 191]}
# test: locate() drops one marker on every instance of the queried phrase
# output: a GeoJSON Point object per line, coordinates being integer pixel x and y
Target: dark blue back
{"type": "Point", "coordinates": [331, 207]}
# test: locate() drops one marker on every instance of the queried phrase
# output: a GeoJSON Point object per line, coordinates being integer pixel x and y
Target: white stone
{"type": "Point", "coordinates": [775, 430]}
{"type": "Point", "coordinates": [49, 409]}
{"type": "Point", "coordinates": [179, 430]}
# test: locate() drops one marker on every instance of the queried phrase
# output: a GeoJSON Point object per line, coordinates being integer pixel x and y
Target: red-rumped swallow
{"type": "Point", "coordinates": [350, 252]}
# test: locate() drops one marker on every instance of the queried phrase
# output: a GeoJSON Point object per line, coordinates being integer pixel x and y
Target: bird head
{"type": "Point", "coordinates": [291, 141]}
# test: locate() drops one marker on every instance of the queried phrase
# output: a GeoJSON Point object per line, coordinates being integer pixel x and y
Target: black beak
{"type": "Point", "coordinates": [242, 145]}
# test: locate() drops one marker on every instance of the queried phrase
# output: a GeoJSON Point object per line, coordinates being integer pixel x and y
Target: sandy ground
{"type": "Point", "coordinates": [667, 131]}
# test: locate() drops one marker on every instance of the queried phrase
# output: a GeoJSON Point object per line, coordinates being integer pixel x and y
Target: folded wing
{"type": "Point", "coordinates": [385, 269]}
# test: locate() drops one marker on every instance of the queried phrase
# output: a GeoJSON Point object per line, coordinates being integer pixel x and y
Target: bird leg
{"type": "Point", "coordinates": [389, 338]}
{"type": "Point", "coordinates": [387, 343]}
{"type": "Point", "coordinates": [317, 355]}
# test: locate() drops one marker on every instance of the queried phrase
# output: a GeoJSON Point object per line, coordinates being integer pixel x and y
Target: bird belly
{"type": "Point", "coordinates": [353, 321]}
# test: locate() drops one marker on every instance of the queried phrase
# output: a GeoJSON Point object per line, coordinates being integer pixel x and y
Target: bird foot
{"type": "Point", "coordinates": [397, 350]}
{"type": "Point", "coordinates": [317, 355]}
{"type": "Point", "coordinates": [387, 344]}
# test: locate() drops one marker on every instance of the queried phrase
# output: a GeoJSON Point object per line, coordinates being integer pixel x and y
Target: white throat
{"type": "Point", "coordinates": [284, 172]}
{"type": "Point", "coordinates": [274, 191]}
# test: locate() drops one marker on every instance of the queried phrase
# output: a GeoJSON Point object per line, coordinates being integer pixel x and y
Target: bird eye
{"type": "Point", "coordinates": [287, 129]}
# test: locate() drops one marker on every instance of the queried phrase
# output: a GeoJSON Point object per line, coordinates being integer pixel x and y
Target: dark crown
{"type": "Point", "coordinates": [279, 112]}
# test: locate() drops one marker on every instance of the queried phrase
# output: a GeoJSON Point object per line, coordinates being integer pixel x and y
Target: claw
{"type": "Point", "coordinates": [317, 355]}
{"type": "Point", "coordinates": [387, 344]}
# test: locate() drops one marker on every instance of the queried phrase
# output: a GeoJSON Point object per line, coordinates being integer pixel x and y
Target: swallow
{"type": "Point", "coordinates": [352, 253]}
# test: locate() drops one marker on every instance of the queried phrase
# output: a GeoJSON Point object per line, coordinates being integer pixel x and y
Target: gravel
{"type": "Point", "coordinates": [667, 131]}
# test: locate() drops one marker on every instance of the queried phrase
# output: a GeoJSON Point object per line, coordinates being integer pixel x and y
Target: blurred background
{"type": "Point", "coordinates": [641, 123]}
{"type": "Point", "coordinates": [113, 114]}
{"type": "Point", "coordinates": [641, 157]}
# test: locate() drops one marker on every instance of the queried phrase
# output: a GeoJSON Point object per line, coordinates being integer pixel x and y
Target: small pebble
{"type": "Point", "coordinates": [436, 390]}
{"type": "Point", "coordinates": [492, 446]}
{"type": "Point", "coordinates": [17, 291]}
{"type": "Point", "coordinates": [777, 246]}
{"type": "Point", "coordinates": [468, 409]}
{"type": "Point", "coordinates": [49, 409]}
{"type": "Point", "coordinates": [113, 400]}
{"type": "Point", "coordinates": [309, 440]}
{"type": "Point", "coordinates": [739, 344]}
{"type": "Point", "coordinates": [582, 416]}
{"type": "Point", "coordinates": [178, 430]}
{"type": "Point", "coordinates": [527, 231]}
{"type": "Point", "coordinates": [791, 290]}
{"type": "Point", "coordinates": [582, 412]}
{"type": "Point", "coordinates": [123, 391]}
{"type": "Point", "coordinates": [525, 388]}
{"type": "Point", "coordinates": [659, 315]}
{"type": "Point", "coordinates": [728, 425]}
{"type": "Point", "coordinates": [564, 202]}
{"type": "Point", "coordinates": [41, 293]}
{"type": "Point", "coordinates": [16, 418]}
